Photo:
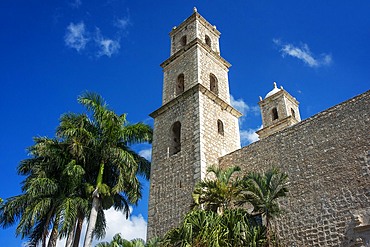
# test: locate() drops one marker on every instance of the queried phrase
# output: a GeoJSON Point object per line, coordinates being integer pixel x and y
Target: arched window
{"type": "Point", "coordinates": [175, 138]}
{"type": "Point", "coordinates": [293, 112]}
{"type": "Point", "coordinates": [220, 127]}
{"type": "Point", "coordinates": [274, 114]}
{"type": "Point", "coordinates": [208, 41]}
{"type": "Point", "coordinates": [183, 40]}
{"type": "Point", "coordinates": [213, 84]}
{"type": "Point", "coordinates": [180, 84]}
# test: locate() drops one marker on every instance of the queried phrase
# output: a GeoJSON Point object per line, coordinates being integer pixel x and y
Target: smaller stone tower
{"type": "Point", "coordinates": [279, 110]}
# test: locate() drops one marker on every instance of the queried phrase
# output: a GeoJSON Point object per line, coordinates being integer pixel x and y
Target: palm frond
{"type": "Point", "coordinates": [137, 133]}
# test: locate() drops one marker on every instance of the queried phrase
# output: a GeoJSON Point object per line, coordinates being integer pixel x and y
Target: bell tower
{"type": "Point", "coordinates": [279, 110]}
{"type": "Point", "coordinates": [195, 124]}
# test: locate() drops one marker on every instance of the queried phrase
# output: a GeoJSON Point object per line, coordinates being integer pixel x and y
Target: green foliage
{"type": "Point", "coordinates": [217, 191]}
{"type": "Point", "coordinates": [89, 158]}
{"type": "Point", "coordinates": [118, 241]}
{"type": "Point", "coordinates": [263, 190]}
{"type": "Point", "coordinates": [206, 228]}
{"type": "Point", "coordinates": [100, 139]}
{"type": "Point", "coordinates": [51, 192]}
{"type": "Point", "coordinates": [216, 219]}
{"type": "Point", "coordinates": [154, 242]}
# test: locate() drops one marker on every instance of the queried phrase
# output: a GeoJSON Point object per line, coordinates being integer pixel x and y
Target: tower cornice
{"type": "Point", "coordinates": [193, 43]}
{"type": "Point", "coordinates": [197, 88]}
{"type": "Point", "coordinates": [277, 95]}
{"type": "Point", "coordinates": [196, 16]}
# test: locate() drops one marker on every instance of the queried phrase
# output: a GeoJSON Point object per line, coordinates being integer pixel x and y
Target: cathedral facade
{"type": "Point", "coordinates": [327, 156]}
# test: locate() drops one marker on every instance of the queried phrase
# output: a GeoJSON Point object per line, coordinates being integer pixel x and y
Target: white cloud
{"type": "Point", "coordinates": [146, 153]}
{"type": "Point", "coordinates": [131, 228]}
{"type": "Point", "coordinates": [76, 36]}
{"type": "Point", "coordinates": [303, 53]}
{"type": "Point", "coordinates": [122, 23]}
{"type": "Point", "coordinates": [249, 136]}
{"type": "Point", "coordinates": [241, 106]}
{"type": "Point", "coordinates": [107, 47]}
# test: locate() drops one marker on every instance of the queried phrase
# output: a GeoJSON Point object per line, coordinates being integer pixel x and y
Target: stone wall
{"type": "Point", "coordinates": [187, 64]}
{"type": "Point", "coordinates": [205, 28]}
{"type": "Point", "coordinates": [172, 176]}
{"type": "Point", "coordinates": [212, 143]}
{"type": "Point", "coordinates": [211, 63]}
{"type": "Point", "coordinates": [327, 158]}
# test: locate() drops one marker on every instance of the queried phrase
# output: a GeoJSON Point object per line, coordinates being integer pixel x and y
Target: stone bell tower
{"type": "Point", "coordinates": [279, 110]}
{"type": "Point", "coordinates": [195, 124]}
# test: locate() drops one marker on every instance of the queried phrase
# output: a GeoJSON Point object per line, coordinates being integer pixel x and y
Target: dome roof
{"type": "Point", "coordinates": [273, 91]}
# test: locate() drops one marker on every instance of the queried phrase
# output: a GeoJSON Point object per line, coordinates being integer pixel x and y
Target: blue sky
{"type": "Point", "coordinates": [52, 51]}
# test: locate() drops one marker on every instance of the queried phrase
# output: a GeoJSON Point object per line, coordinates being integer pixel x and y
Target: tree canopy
{"type": "Point", "coordinates": [219, 218]}
{"type": "Point", "coordinates": [88, 167]}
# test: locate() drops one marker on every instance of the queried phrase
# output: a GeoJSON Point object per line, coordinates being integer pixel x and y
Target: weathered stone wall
{"type": "Point", "coordinates": [196, 63]}
{"type": "Point", "coordinates": [327, 158]}
{"type": "Point", "coordinates": [214, 144]}
{"type": "Point", "coordinates": [187, 64]}
{"type": "Point", "coordinates": [188, 29]}
{"type": "Point", "coordinates": [205, 28]}
{"type": "Point", "coordinates": [172, 176]}
{"type": "Point", "coordinates": [210, 63]}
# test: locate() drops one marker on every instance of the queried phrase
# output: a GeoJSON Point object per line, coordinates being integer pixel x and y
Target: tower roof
{"type": "Point", "coordinates": [191, 18]}
{"type": "Point", "coordinates": [273, 91]}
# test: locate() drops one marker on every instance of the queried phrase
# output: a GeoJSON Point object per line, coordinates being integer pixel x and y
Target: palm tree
{"type": "Point", "coordinates": [118, 241]}
{"type": "Point", "coordinates": [242, 229]}
{"type": "Point", "coordinates": [102, 141]}
{"type": "Point", "coordinates": [262, 191]}
{"type": "Point", "coordinates": [154, 242]}
{"type": "Point", "coordinates": [218, 191]}
{"type": "Point", "coordinates": [202, 228]}
{"type": "Point", "coordinates": [217, 221]}
{"type": "Point", "coordinates": [190, 232]}
{"type": "Point", "coordinates": [49, 197]}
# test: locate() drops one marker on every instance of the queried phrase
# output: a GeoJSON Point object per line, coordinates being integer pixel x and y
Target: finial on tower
{"type": "Point", "coordinates": [273, 91]}
{"type": "Point", "coordinates": [260, 98]}
{"type": "Point", "coordinates": [195, 10]}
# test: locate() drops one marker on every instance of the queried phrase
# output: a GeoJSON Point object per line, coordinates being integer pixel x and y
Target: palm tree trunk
{"type": "Point", "coordinates": [54, 232]}
{"type": "Point", "coordinates": [92, 220]}
{"type": "Point", "coordinates": [46, 231]}
{"type": "Point", "coordinates": [69, 241]}
{"type": "Point", "coordinates": [94, 209]}
{"type": "Point", "coordinates": [80, 221]}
